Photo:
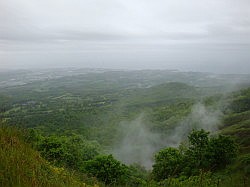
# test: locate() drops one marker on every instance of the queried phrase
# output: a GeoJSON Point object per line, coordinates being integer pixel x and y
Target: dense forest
{"type": "Point", "coordinates": [85, 127]}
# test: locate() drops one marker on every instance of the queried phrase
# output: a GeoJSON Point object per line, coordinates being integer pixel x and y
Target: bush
{"type": "Point", "coordinates": [167, 163]}
{"type": "Point", "coordinates": [106, 169]}
{"type": "Point", "coordinates": [70, 151]}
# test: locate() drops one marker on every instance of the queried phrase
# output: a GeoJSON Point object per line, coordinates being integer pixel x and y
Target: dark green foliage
{"type": "Point", "coordinates": [33, 136]}
{"type": "Point", "coordinates": [203, 154]}
{"type": "Point", "coordinates": [208, 154]}
{"type": "Point", "coordinates": [69, 151]}
{"type": "Point", "coordinates": [195, 156]}
{"type": "Point", "coordinates": [221, 151]}
{"type": "Point", "coordinates": [137, 175]}
{"type": "Point", "coordinates": [106, 169]}
{"type": "Point", "coordinates": [198, 140]}
{"type": "Point", "coordinates": [167, 163]}
{"type": "Point", "coordinates": [54, 149]}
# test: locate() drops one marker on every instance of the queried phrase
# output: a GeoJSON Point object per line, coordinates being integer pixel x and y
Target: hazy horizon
{"type": "Point", "coordinates": [208, 36]}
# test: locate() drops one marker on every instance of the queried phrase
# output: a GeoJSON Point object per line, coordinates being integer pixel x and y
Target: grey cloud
{"type": "Point", "coordinates": [229, 33]}
{"type": "Point", "coordinates": [117, 19]}
{"type": "Point", "coordinates": [191, 35]}
{"type": "Point", "coordinates": [40, 35]}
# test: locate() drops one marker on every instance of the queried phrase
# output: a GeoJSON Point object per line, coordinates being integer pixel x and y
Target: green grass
{"type": "Point", "coordinates": [20, 165]}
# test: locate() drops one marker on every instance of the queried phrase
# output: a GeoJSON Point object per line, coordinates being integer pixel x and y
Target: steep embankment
{"type": "Point", "coordinates": [20, 165]}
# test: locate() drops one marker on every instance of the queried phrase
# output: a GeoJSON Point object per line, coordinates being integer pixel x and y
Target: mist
{"type": "Point", "coordinates": [138, 143]}
{"type": "Point", "coordinates": [201, 117]}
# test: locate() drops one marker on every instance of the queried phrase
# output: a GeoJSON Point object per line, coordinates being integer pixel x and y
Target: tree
{"type": "Point", "coordinates": [203, 154]}
{"type": "Point", "coordinates": [195, 156]}
{"type": "Point", "coordinates": [198, 139]}
{"type": "Point", "coordinates": [167, 163]}
{"type": "Point", "coordinates": [206, 154]}
{"type": "Point", "coordinates": [54, 149]}
{"type": "Point", "coordinates": [106, 169]}
{"type": "Point", "coordinates": [70, 151]}
{"type": "Point", "coordinates": [81, 150]}
{"type": "Point", "coordinates": [221, 151]}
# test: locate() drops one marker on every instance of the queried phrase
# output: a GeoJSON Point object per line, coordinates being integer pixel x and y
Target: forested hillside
{"type": "Point", "coordinates": [139, 128]}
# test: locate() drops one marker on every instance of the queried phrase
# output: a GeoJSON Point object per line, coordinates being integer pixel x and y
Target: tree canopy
{"type": "Point", "coordinates": [204, 153]}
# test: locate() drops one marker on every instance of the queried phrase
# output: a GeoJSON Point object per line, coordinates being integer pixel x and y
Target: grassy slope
{"type": "Point", "coordinates": [237, 124]}
{"type": "Point", "coordinates": [237, 121]}
{"type": "Point", "coordinates": [22, 166]}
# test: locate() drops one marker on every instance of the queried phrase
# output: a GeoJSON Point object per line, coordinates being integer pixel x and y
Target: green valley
{"type": "Point", "coordinates": [87, 127]}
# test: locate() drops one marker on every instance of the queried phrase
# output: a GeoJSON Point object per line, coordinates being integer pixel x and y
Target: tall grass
{"type": "Point", "coordinates": [22, 166]}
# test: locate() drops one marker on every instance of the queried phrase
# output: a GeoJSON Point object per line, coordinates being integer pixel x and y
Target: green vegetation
{"type": "Point", "coordinates": [106, 169]}
{"type": "Point", "coordinates": [62, 131]}
{"type": "Point", "coordinates": [22, 166]}
{"type": "Point", "coordinates": [168, 163]}
{"type": "Point", "coordinates": [202, 155]}
{"type": "Point", "coordinates": [67, 151]}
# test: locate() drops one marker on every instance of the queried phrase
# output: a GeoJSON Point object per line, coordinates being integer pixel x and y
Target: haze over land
{"type": "Point", "coordinates": [125, 93]}
{"type": "Point", "coordinates": [210, 35]}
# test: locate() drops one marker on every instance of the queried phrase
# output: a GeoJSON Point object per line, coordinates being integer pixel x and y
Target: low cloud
{"type": "Point", "coordinates": [138, 144]}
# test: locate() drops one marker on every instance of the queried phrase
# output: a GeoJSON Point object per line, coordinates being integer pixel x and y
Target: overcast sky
{"type": "Point", "coordinates": [189, 35]}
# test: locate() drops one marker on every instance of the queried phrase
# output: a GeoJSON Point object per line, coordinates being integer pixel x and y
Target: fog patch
{"type": "Point", "coordinates": [201, 117]}
{"type": "Point", "coordinates": [206, 118]}
{"type": "Point", "coordinates": [138, 143]}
